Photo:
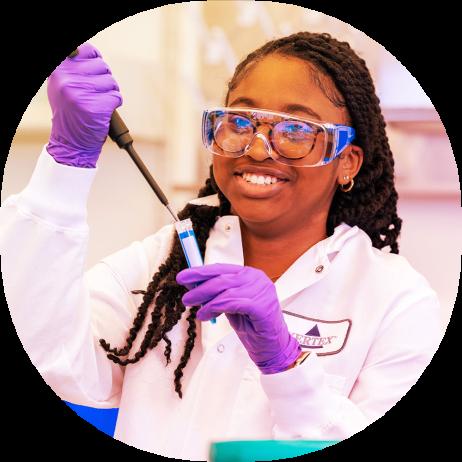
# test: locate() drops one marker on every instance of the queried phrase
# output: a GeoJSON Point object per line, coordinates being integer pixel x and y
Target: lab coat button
{"type": "Point", "coordinates": [319, 268]}
{"type": "Point", "coordinates": [228, 227]}
{"type": "Point", "coordinates": [220, 348]}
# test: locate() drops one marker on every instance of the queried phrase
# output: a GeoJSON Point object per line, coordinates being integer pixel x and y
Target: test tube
{"type": "Point", "coordinates": [190, 246]}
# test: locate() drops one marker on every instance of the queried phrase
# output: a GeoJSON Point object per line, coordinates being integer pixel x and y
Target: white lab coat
{"type": "Point", "coordinates": [370, 320]}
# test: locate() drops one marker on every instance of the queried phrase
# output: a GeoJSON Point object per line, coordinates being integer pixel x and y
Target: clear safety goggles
{"type": "Point", "coordinates": [229, 132]}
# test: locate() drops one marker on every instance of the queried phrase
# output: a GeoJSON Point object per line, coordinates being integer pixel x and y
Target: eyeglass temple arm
{"type": "Point", "coordinates": [343, 136]}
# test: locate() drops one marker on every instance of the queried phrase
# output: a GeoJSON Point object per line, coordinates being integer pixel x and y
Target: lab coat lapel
{"type": "Point", "coordinates": [314, 264]}
{"type": "Point", "coordinates": [224, 244]}
{"type": "Point", "coordinates": [309, 268]}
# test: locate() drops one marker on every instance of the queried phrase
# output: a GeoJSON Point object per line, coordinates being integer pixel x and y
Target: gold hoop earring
{"type": "Point", "coordinates": [350, 187]}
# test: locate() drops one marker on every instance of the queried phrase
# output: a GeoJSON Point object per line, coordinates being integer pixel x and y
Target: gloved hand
{"type": "Point", "coordinates": [83, 95]}
{"type": "Point", "coordinates": [249, 300]}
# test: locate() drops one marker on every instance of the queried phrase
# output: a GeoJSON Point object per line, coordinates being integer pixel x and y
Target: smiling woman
{"type": "Point", "coordinates": [293, 223]}
{"type": "Point", "coordinates": [300, 204]}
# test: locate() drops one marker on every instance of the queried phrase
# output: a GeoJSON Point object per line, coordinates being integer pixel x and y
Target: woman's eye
{"type": "Point", "coordinates": [295, 128]}
{"type": "Point", "coordinates": [240, 123]}
{"type": "Point", "coordinates": [296, 131]}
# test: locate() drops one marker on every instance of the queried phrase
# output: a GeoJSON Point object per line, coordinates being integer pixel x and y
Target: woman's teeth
{"type": "Point", "coordinates": [259, 179]}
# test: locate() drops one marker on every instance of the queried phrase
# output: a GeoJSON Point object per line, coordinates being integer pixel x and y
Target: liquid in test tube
{"type": "Point", "coordinates": [190, 246]}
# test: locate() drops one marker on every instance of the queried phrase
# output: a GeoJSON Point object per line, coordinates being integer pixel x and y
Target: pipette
{"type": "Point", "coordinates": [119, 133]}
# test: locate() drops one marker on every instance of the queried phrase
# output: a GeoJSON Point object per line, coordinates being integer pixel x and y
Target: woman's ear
{"type": "Point", "coordinates": [350, 162]}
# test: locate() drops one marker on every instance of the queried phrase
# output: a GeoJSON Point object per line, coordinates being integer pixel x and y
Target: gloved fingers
{"type": "Point", "coordinates": [95, 66]}
{"type": "Point", "coordinates": [200, 274]}
{"type": "Point", "coordinates": [210, 288]}
{"type": "Point", "coordinates": [189, 286]}
{"type": "Point", "coordinates": [86, 51]}
{"type": "Point", "coordinates": [207, 315]}
{"type": "Point", "coordinates": [229, 301]}
{"type": "Point", "coordinates": [104, 82]}
{"type": "Point", "coordinates": [117, 97]}
{"type": "Point", "coordinates": [108, 99]}
{"type": "Point", "coordinates": [87, 54]}
{"type": "Point", "coordinates": [261, 308]}
{"type": "Point", "coordinates": [70, 84]}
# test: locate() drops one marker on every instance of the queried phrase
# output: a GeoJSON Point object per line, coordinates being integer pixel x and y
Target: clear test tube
{"type": "Point", "coordinates": [190, 246]}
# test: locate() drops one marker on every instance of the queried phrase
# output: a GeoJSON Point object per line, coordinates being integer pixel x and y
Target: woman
{"type": "Point", "coordinates": [320, 330]}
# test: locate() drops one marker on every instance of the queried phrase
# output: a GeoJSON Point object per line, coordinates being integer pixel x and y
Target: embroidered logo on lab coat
{"type": "Point", "coordinates": [323, 337]}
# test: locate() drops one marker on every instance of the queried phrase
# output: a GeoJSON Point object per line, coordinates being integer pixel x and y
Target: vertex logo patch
{"type": "Point", "coordinates": [324, 337]}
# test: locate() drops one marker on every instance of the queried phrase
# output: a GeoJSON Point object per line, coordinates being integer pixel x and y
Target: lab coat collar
{"type": "Point", "coordinates": [225, 246]}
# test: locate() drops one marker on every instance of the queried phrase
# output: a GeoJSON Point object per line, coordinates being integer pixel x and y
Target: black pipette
{"type": "Point", "coordinates": [119, 133]}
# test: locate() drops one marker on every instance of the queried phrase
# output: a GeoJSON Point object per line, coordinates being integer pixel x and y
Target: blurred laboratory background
{"type": "Point", "coordinates": [173, 61]}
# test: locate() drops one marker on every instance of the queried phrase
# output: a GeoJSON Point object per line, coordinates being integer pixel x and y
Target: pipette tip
{"type": "Point", "coordinates": [174, 215]}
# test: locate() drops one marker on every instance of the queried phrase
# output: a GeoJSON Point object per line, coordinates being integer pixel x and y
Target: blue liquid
{"type": "Point", "coordinates": [190, 246]}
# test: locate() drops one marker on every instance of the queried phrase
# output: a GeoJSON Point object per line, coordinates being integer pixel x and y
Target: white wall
{"type": "Point", "coordinates": [431, 240]}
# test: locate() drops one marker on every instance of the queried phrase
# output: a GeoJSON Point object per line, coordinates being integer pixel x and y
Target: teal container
{"type": "Point", "coordinates": [252, 450]}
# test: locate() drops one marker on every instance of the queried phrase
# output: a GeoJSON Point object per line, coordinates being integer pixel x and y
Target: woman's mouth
{"type": "Point", "coordinates": [259, 186]}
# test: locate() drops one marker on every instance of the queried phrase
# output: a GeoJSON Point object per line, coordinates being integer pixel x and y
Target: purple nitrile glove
{"type": "Point", "coordinates": [249, 300]}
{"type": "Point", "coordinates": [83, 95]}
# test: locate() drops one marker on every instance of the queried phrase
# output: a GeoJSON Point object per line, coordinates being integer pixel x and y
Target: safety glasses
{"type": "Point", "coordinates": [229, 132]}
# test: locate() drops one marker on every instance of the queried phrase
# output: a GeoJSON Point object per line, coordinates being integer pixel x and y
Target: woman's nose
{"type": "Point", "coordinates": [259, 147]}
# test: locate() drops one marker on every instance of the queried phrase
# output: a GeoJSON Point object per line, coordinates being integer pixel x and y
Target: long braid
{"type": "Point", "coordinates": [167, 293]}
{"type": "Point", "coordinates": [371, 204]}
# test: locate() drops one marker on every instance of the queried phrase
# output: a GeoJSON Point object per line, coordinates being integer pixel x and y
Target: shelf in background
{"type": "Point", "coordinates": [428, 194]}
{"type": "Point", "coordinates": [422, 119]}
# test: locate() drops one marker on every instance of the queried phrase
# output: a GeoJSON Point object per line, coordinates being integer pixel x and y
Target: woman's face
{"type": "Point", "coordinates": [281, 84]}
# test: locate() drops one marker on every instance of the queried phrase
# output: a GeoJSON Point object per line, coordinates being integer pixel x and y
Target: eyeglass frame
{"type": "Point", "coordinates": [333, 133]}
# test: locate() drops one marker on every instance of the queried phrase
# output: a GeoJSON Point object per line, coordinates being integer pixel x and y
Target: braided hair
{"type": "Point", "coordinates": [370, 205]}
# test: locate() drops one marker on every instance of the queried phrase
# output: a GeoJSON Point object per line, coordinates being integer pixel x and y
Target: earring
{"type": "Point", "coordinates": [352, 182]}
